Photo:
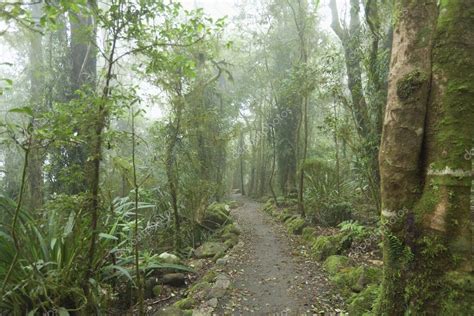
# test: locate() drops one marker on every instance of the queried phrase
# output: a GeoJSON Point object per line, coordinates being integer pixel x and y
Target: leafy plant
{"type": "Point", "coordinates": [354, 228]}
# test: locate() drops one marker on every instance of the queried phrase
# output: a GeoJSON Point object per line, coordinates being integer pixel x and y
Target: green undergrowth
{"type": "Point", "coordinates": [359, 284]}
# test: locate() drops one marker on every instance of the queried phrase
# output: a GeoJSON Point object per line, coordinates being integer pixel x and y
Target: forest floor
{"type": "Point", "coordinates": [271, 271]}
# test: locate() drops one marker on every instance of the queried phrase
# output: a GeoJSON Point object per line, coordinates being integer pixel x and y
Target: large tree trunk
{"type": "Point", "coordinates": [425, 178]}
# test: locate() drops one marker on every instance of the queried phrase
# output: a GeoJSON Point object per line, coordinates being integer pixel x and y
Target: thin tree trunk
{"type": "Point", "coordinates": [303, 158]}
{"type": "Point", "coordinates": [35, 165]}
{"type": "Point", "coordinates": [171, 171]}
{"type": "Point", "coordinates": [336, 145]}
{"type": "Point", "coordinates": [272, 174]}
{"type": "Point", "coordinates": [241, 158]}
{"type": "Point", "coordinates": [141, 307]}
{"type": "Point", "coordinates": [93, 165]}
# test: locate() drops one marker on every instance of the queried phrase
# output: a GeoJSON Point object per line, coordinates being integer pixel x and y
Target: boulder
{"type": "Point", "coordinates": [334, 264]}
{"type": "Point", "coordinates": [222, 261]}
{"type": "Point", "coordinates": [150, 283]}
{"type": "Point", "coordinates": [200, 290]}
{"type": "Point", "coordinates": [157, 290]}
{"type": "Point", "coordinates": [185, 303]}
{"type": "Point", "coordinates": [229, 239]}
{"type": "Point", "coordinates": [210, 249]}
{"type": "Point", "coordinates": [169, 258]}
{"type": "Point", "coordinates": [213, 302]}
{"type": "Point", "coordinates": [210, 276]}
{"type": "Point", "coordinates": [196, 264]}
{"type": "Point", "coordinates": [174, 279]}
{"type": "Point", "coordinates": [323, 247]}
{"type": "Point", "coordinates": [355, 279]}
{"type": "Point", "coordinates": [362, 303]}
{"type": "Point", "coordinates": [170, 311]}
{"type": "Point", "coordinates": [220, 287]}
{"type": "Point", "coordinates": [232, 229]}
{"type": "Point", "coordinates": [369, 275]}
{"type": "Point", "coordinates": [217, 215]}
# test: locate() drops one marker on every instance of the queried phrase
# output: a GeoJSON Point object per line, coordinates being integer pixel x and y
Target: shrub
{"type": "Point", "coordinates": [334, 214]}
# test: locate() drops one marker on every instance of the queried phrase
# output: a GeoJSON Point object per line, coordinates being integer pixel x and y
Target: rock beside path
{"type": "Point", "coordinates": [210, 249]}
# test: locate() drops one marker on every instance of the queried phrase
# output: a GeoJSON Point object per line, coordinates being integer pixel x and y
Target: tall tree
{"type": "Point", "coordinates": [426, 181]}
{"type": "Point", "coordinates": [35, 164]}
{"type": "Point", "coordinates": [350, 37]}
{"type": "Point", "coordinates": [83, 78]}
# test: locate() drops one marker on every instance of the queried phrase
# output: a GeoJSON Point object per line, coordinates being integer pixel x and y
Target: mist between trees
{"type": "Point", "coordinates": [351, 120]}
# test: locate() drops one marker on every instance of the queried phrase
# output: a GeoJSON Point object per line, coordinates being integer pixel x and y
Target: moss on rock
{"type": "Point", "coordinates": [199, 287]}
{"type": "Point", "coordinates": [333, 264]}
{"type": "Point", "coordinates": [347, 278]}
{"type": "Point", "coordinates": [185, 303]}
{"type": "Point", "coordinates": [217, 214]}
{"type": "Point", "coordinates": [362, 303]}
{"type": "Point", "coordinates": [209, 276]}
{"type": "Point", "coordinates": [325, 246]}
{"type": "Point", "coordinates": [356, 278]}
{"type": "Point", "coordinates": [210, 249]}
{"type": "Point", "coordinates": [231, 228]}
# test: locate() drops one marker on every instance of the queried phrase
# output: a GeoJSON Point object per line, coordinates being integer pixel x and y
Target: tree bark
{"type": "Point", "coordinates": [426, 180]}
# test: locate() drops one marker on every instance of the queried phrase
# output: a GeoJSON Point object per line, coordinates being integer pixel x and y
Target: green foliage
{"type": "Point", "coordinates": [334, 214]}
{"type": "Point", "coordinates": [363, 303]}
{"type": "Point", "coordinates": [354, 229]}
{"type": "Point", "coordinates": [49, 263]}
{"type": "Point", "coordinates": [52, 256]}
{"type": "Point", "coordinates": [295, 225]}
{"type": "Point", "coordinates": [324, 194]}
{"type": "Point", "coordinates": [324, 246]}
{"type": "Point", "coordinates": [308, 233]}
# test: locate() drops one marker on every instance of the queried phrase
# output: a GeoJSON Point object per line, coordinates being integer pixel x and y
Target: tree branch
{"type": "Point", "coordinates": [336, 23]}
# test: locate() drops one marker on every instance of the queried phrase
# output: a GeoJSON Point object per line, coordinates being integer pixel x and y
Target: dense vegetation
{"type": "Point", "coordinates": [127, 124]}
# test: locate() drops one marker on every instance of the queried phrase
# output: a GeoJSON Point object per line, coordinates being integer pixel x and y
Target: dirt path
{"type": "Point", "coordinates": [271, 274]}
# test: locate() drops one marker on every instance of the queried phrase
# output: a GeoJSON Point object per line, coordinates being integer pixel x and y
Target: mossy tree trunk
{"type": "Point", "coordinates": [426, 180]}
